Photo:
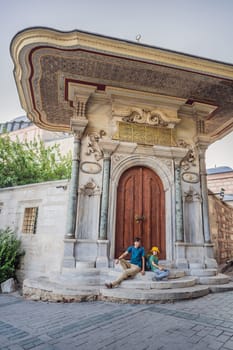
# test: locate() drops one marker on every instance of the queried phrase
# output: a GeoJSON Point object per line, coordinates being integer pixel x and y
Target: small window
{"type": "Point", "coordinates": [30, 220]}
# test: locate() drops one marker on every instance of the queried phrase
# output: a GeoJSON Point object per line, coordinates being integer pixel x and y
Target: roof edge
{"type": "Point", "coordinates": [45, 35]}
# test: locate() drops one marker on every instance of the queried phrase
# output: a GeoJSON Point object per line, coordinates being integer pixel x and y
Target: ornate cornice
{"type": "Point", "coordinates": [48, 63]}
{"type": "Point", "coordinates": [43, 36]}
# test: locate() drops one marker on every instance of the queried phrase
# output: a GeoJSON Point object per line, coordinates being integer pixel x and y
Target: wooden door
{"type": "Point", "coordinates": [140, 210]}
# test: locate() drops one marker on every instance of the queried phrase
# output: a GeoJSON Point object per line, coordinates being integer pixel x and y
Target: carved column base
{"type": "Point", "coordinates": [210, 262]}
{"type": "Point", "coordinates": [102, 257]}
{"type": "Point", "coordinates": [181, 260]}
{"type": "Point", "coordinates": [68, 258]}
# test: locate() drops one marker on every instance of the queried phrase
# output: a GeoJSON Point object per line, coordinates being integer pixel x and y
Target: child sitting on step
{"type": "Point", "coordinates": [159, 271]}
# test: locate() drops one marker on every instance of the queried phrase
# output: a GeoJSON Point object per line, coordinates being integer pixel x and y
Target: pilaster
{"type": "Point", "coordinates": [202, 143]}
{"type": "Point", "coordinates": [78, 96]}
{"type": "Point", "coordinates": [108, 147]}
{"type": "Point", "coordinates": [179, 206]}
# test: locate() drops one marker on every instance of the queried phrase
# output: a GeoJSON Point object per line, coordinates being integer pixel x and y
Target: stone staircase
{"type": "Point", "coordinates": [180, 285]}
{"type": "Point", "coordinates": [86, 283]}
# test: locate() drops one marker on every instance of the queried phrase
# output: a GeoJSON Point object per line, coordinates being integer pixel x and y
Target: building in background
{"type": "Point", "coordinates": [220, 182]}
{"type": "Point", "coordinates": [15, 124]}
{"type": "Point", "coordinates": [22, 129]}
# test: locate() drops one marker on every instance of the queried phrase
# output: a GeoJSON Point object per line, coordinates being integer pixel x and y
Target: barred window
{"type": "Point", "coordinates": [30, 220]}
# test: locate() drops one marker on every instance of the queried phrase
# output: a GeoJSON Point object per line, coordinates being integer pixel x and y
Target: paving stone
{"type": "Point", "coordinates": [223, 338]}
{"type": "Point", "coordinates": [228, 345]}
{"type": "Point", "coordinates": [195, 324]}
{"type": "Point", "coordinates": [216, 332]}
{"type": "Point", "coordinates": [215, 345]}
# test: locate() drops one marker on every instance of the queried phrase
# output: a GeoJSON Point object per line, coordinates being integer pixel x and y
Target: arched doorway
{"type": "Point", "coordinates": [140, 210]}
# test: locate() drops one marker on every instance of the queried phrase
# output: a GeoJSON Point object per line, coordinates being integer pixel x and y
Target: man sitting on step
{"type": "Point", "coordinates": [136, 264]}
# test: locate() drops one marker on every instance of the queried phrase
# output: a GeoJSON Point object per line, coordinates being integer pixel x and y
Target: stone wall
{"type": "Point", "coordinates": [44, 249]}
{"type": "Point", "coordinates": [221, 227]}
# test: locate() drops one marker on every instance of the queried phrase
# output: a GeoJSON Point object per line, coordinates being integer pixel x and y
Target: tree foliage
{"type": "Point", "coordinates": [31, 162]}
{"type": "Point", "coordinates": [10, 253]}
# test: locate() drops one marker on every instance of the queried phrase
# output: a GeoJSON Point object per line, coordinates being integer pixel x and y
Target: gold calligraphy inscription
{"type": "Point", "coordinates": [145, 135]}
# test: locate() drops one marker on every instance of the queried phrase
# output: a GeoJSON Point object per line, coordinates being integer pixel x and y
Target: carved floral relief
{"type": "Point", "coordinates": [90, 188]}
{"type": "Point", "coordinates": [93, 145]}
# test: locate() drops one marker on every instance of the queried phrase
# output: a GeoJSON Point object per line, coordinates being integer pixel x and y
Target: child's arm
{"type": "Point", "coordinates": [143, 265]}
{"type": "Point", "coordinates": [156, 265]}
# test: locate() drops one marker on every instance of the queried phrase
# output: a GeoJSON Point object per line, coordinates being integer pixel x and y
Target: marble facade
{"type": "Point", "coordinates": [127, 105]}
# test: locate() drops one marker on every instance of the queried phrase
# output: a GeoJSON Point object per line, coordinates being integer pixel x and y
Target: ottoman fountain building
{"type": "Point", "coordinates": [142, 119]}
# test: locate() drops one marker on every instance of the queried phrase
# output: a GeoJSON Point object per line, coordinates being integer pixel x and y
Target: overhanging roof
{"type": "Point", "coordinates": [47, 62]}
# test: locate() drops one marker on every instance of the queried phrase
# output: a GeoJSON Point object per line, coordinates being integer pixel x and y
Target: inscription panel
{"type": "Point", "coordinates": [145, 135]}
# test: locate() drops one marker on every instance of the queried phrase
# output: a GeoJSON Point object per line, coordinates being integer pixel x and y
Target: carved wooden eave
{"type": "Point", "coordinates": [50, 67]}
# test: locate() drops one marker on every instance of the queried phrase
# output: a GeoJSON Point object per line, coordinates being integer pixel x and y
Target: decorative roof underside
{"type": "Point", "coordinates": [47, 61]}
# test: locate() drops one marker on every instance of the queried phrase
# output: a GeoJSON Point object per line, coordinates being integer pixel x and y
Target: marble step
{"type": "Point", "coordinates": [211, 280]}
{"type": "Point", "coordinates": [203, 272]}
{"type": "Point", "coordinates": [45, 290]}
{"type": "Point", "coordinates": [149, 296]}
{"type": "Point", "coordinates": [183, 282]}
{"type": "Point", "coordinates": [219, 288]}
{"type": "Point", "coordinates": [79, 272]}
{"type": "Point", "coordinates": [74, 277]}
{"type": "Point", "coordinates": [114, 272]}
{"type": "Point", "coordinates": [84, 264]}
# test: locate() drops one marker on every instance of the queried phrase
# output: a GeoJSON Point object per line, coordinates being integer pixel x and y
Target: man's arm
{"type": "Point", "coordinates": [122, 256]}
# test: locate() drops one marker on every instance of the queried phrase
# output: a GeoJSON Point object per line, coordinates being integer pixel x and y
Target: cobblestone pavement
{"type": "Point", "coordinates": [205, 323]}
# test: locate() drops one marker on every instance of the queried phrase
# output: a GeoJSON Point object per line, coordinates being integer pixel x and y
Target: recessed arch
{"type": "Point", "coordinates": [166, 175]}
{"type": "Point", "coordinates": [140, 210]}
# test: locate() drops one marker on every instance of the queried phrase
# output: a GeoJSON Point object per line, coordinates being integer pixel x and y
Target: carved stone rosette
{"type": "Point", "coordinates": [90, 188]}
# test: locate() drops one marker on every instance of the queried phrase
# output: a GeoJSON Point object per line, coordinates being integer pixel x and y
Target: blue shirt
{"type": "Point", "coordinates": [136, 255]}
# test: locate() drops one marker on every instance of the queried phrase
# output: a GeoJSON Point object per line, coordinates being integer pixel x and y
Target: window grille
{"type": "Point", "coordinates": [30, 220]}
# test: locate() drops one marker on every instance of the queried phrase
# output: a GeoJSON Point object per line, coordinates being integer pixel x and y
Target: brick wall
{"type": "Point", "coordinates": [221, 227]}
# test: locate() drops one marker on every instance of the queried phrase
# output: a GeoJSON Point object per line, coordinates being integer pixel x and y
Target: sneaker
{"type": "Point", "coordinates": [108, 285]}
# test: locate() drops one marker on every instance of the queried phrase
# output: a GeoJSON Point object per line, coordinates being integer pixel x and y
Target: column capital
{"type": "Point", "coordinates": [202, 142]}
{"type": "Point", "coordinates": [78, 95]}
{"type": "Point", "coordinates": [78, 126]}
{"type": "Point", "coordinates": [170, 152]}
{"type": "Point", "coordinates": [108, 147]}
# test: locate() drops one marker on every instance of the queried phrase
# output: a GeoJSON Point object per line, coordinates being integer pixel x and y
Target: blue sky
{"type": "Point", "coordinates": [199, 27]}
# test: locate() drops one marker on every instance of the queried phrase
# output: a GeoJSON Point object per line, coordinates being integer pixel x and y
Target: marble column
{"type": "Point", "coordinates": [202, 147]}
{"type": "Point", "coordinates": [107, 147]}
{"type": "Point", "coordinates": [104, 197]}
{"type": "Point", "coordinates": [73, 190]}
{"type": "Point", "coordinates": [180, 245]}
{"type": "Point", "coordinates": [179, 207]}
{"type": "Point", "coordinates": [69, 239]}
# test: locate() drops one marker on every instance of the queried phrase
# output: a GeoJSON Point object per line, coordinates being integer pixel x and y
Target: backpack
{"type": "Point", "coordinates": [147, 262]}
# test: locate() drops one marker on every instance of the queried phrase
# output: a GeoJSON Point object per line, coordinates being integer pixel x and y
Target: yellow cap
{"type": "Point", "coordinates": [155, 249]}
